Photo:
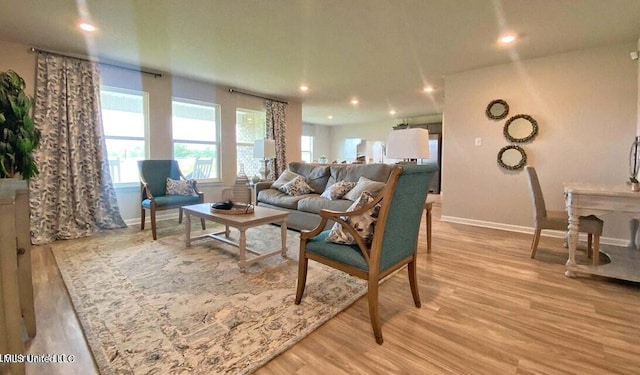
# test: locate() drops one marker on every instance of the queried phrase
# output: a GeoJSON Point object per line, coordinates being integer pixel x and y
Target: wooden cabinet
{"type": "Point", "coordinates": [16, 286]}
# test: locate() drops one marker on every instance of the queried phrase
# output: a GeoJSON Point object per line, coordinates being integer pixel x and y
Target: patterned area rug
{"type": "Point", "coordinates": [156, 307]}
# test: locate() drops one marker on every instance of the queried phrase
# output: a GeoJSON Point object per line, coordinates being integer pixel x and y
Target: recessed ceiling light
{"type": "Point", "coordinates": [87, 27]}
{"type": "Point", "coordinates": [304, 88]}
{"type": "Point", "coordinates": [428, 89]}
{"type": "Point", "coordinates": [330, 117]}
{"type": "Point", "coordinates": [354, 101]}
{"type": "Point", "coordinates": [392, 112]}
{"type": "Point", "coordinates": [507, 38]}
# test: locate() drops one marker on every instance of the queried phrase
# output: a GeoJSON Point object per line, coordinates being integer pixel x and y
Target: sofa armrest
{"type": "Point", "coordinates": [263, 185]}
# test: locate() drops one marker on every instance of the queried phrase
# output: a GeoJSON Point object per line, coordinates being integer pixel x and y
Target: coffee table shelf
{"type": "Point", "coordinates": [260, 216]}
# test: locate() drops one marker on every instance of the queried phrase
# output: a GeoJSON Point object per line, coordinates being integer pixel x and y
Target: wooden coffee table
{"type": "Point", "coordinates": [242, 222]}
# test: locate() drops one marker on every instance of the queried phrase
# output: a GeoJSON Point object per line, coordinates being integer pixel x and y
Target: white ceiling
{"type": "Point", "coordinates": [381, 51]}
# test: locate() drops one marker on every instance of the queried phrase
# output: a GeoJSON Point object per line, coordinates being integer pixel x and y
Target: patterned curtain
{"type": "Point", "coordinates": [276, 129]}
{"type": "Point", "coordinates": [73, 195]}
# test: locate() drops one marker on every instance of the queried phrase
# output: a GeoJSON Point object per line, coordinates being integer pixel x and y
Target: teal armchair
{"type": "Point", "coordinates": [153, 190]}
{"type": "Point", "coordinates": [394, 243]}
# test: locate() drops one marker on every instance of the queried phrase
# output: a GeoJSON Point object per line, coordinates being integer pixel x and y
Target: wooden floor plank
{"type": "Point", "coordinates": [487, 308]}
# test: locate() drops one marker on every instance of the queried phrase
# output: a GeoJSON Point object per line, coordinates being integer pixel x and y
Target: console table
{"type": "Point", "coordinates": [589, 199]}
{"type": "Point", "coordinates": [16, 287]}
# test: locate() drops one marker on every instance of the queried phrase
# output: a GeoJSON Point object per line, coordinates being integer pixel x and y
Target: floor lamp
{"type": "Point", "coordinates": [264, 149]}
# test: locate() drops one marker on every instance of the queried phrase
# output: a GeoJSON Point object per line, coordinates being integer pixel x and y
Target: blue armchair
{"type": "Point", "coordinates": [153, 190]}
{"type": "Point", "coordinates": [394, 243]}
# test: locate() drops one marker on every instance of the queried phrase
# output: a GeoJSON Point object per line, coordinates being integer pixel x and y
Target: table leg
{"type": "Point", "coordinates": [226, 231]}
{"type": "Point", "coordinates": [242, 246]}
{"type": "Point", "coordinates": [574, 222]}
{"type": "Point", "coordinates": [283, 237]}
{"type": "Point", "coordinates": [633, 231]}
{"type": "Point", "coordinates": [187, 228]}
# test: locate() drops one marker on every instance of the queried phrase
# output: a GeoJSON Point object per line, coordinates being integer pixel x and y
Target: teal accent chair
{"type": "Point", "coordinates": [394, 244]}
{"type": "Point", "coordinates": [153, 190]}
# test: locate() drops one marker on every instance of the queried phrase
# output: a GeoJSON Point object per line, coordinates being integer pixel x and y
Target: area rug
{"type": "Point", "coordinates": [158, 307]}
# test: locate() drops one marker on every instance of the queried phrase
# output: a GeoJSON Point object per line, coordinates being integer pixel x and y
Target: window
{"type": "Point", "coordinates": [307, 148]}
{"type": "Point", "coordinates": [195, 138]}
{"type": "Point", "coordinates": [250, 125]}
{"type": "Point", "coordinates": [124, 119]}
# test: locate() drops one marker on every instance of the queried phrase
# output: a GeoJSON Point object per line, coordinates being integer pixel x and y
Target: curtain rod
{"type": "Point", "coordinates": [155, 75]}
{"type": "Point", "coordinates": [256, 96]}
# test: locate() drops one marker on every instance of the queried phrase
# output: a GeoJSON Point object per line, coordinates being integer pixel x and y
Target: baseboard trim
{"type": "Point", "coordinates": [528, 230]}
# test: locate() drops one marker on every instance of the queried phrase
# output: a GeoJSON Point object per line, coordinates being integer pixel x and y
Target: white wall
{"type": "Point", "coordinates": [637, 62]}
{"type": "Point", "coordinates": [17, 57]}
{"type": "Point", "coordinates": [585, 103]}
{"type": "Point", "coordinates": [321, 139]}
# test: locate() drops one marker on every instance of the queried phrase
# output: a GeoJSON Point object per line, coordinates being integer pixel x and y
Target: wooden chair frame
{"type": "Point", "coordinates": [372, 254]}
{"type": "Point", "coordinates": [145, 193]}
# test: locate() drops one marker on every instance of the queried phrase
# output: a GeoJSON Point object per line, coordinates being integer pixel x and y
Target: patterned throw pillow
{"type": "Point", "coordinates": [286, 177]}
{"type": "Point", "coordinates": [337, 190]}
{"type": "Point", "coordinates": [364, 184]}
{"type": "Point", "coordinates": [363, 224]}
{"type": "Point", "coordinates": [295, 187]}
{"type": "Point", "coordinates": [181, 187]}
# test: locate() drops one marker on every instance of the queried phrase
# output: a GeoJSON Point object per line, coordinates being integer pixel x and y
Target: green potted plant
{"type": "Point", "coordinates": [18, 136]}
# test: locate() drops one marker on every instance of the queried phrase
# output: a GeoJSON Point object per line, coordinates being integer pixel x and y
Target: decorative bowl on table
{"type": "Point", "coordinates": [232, 208]}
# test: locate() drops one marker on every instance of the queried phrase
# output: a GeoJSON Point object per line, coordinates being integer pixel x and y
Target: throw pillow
{"type": "Point", "coordinates": [337, 190]}
{"type": "Point", "coordinates": [363, 224]}
{"type": "Point", "coordinates": [364, 184]}
{"type": "Point", "coordinates": [285, 177]}
{"type": "Point", "coordinates": [295, 187]}
{"type": "Point", "coordinates": [181, 187]}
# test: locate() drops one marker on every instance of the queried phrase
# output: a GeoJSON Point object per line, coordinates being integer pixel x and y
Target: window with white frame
{"type": "Point", "coordinates": [195, 132]}
{"type": "Point", "coordinates": [124, 120]}
{"type": "Point", "coordinates": [250, 125]}
{"type": "Point", "coordinates": [307, 148]}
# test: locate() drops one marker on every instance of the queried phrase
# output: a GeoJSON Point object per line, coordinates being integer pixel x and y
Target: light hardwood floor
{"type": "Point", "coordinates": [487, 308]}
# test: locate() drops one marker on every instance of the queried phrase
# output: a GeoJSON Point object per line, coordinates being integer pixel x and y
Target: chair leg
{"type": "Point", "coordinates": [534, 244]}
{"type": "Point", "coordinates": [428, 214]}
{"type": "Point", "coordinates": [180, 215]}
{"type": "Point", "coordinates": [413, 282]}
{"type": "Point", "coordinates": [589, 244]}
{"type": "Point", "coordinates": [153, 223]}
{"type": "Point", "coordinates": [303, 262]}
{"type": "Point", "coordinates": [142, 218]}
{"type": "Point", "coordinates": [372, 296]}
{"type": "Point", "coordinates": [596, 249]}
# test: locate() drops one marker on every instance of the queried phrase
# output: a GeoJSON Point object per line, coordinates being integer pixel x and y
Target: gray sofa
{"type": "Point", "coordinates": [304, 209]}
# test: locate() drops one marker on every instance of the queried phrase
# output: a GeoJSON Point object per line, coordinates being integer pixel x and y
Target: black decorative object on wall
{"type": "Point", "coordinates": [520, 128]}
{"type": "Point", "coordinates": [512, 157]}
{"type": "Point", "coordinates": [497, 109]}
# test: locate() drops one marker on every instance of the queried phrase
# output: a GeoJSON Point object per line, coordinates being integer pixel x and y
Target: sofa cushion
{"type": "Point", "coordinates": [296, 187]}
{"type": "Point", "coordinates": [284, 178]}
{"type": "Point", "coordinates": [337, 190]}
{"type": "Point", "coordinates": [375, 172]}
{"type": "Point", "coordinates": [363, 224]}
{"type": "Point", "coordinates": [351, 256]}
{"type": "Point", "coordinates": [315, 175]}
{"type": "Point", "coordinates": [364, 184]}
{"type": "Point", "coordinates": [314, 204]}
{"type": "Point", "coordinates": [277, 198]}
